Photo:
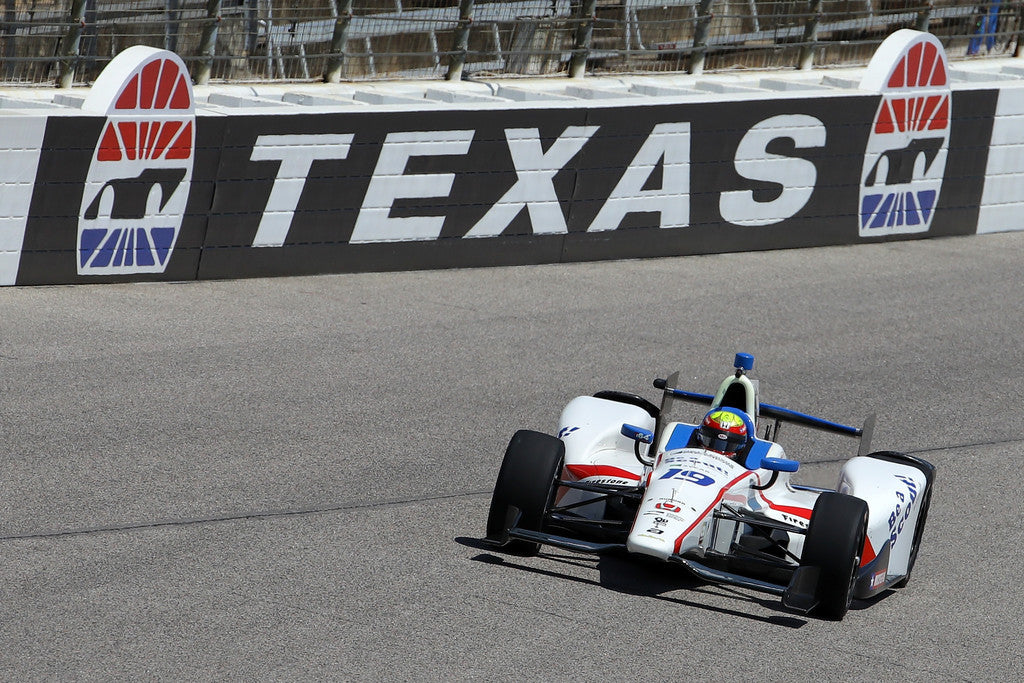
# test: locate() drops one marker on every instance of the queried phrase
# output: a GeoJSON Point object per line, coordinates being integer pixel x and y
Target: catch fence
{"type": "Point", "coordinates": [70, 41]}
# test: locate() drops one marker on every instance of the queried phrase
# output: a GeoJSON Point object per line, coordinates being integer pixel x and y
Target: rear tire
{"type": "Point", "coordinates": [834, 543]}
{"type": "Point", "coordinates": [527, 480]}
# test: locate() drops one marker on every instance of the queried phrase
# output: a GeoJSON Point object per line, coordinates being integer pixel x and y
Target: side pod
{"type": "Point", "coordinates": [897, 488]}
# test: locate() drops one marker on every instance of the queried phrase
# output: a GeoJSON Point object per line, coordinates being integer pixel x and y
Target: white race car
{"type": "Point", "coordinates": [714, 497]}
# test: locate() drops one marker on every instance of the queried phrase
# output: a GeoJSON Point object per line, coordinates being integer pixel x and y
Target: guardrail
{"type": "Point", "coordinates": [70, 41]}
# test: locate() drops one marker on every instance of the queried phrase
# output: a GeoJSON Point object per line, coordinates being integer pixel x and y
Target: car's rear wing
{"type": "Point", "coordinates": [778, 414]}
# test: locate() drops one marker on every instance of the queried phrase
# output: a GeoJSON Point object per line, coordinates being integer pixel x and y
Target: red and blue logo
{"type": "Point", "coordinates": [137, 186]}
{"type": "Point", "coordinates": [905, 159]}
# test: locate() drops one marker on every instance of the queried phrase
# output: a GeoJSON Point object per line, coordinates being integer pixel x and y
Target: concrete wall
{"type": "Point", "coordinates": [139, 180]}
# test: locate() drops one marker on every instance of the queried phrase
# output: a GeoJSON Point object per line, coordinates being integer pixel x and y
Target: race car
{"type": "Point", "coordinates": [714, 497]}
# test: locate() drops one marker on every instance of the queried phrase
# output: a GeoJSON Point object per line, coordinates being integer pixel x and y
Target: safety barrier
{"type": "Point", "coordinates": [147, 179]}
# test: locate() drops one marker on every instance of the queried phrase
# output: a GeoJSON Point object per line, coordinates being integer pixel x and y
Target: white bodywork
{"type": "Point", "coordinates": [685, 485]}
{"type": "Point", "coordinates": [688, 483]}
{"type": "Point", "coordinates": [595, 449]}
{"type": "Point", "coordinates": [895, 494]}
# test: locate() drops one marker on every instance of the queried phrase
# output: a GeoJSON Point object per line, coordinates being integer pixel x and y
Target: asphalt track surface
{"type": "Point", "coordinates": [288, 478]}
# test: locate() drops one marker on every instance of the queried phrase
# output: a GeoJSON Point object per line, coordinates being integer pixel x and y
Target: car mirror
{"type": "Point", "coordinates": [779, 464]}
{"type": "Point", "coordinates": [637, 433]}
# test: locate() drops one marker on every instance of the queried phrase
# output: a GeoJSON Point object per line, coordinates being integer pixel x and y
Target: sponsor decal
{"type": "Point", "coordinates": [905, 158]}
{"type": "Point", "coordinates": [613, 481]}
{"type": "Point", "coordinates": [798, 516]}
{"type": "Point", "coordinates": [660, 514]}
{"type": "Point", "coordinates": [610, 473]}
{"type": "Point", "coordinates": [877, 579]}
{"type": "Point", "coordinates": [735, 497]}
{"type": "Point", "coordinates": [657, 524]}
{"type": "Point", "coordinates": [699, 463]}
{"type": "Point", "coordinates": [794, 520]}
{"type": "Point", "coordinates": [138, 180]}
{"type": "Point", "coordinates": [670, 515]}
{"type": "Point", "coordinates": [906, 493]}
{"type": "Point", "coordinates": [669, 507]}
{"type": "Point", "coordinates": [710, 457]}
{"type": "Point", "coordinates": [566, 431]}
{"type": "Point", "coordinates": [688, 475]}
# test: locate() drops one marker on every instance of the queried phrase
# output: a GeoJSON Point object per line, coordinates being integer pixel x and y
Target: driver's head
{"type": "Point", "coordinates": [723, 430]}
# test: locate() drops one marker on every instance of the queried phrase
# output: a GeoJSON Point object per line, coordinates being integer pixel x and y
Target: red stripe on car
{"type": "Point", "coordinates": [716, 501]}
{"type": "Point", "coordinates": [585, 471]}
{"type": "Point", "coordinates": [805, 513]}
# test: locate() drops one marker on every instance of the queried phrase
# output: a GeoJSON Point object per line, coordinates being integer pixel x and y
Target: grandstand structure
{"type": "Point", "coordinates": [68, 42]}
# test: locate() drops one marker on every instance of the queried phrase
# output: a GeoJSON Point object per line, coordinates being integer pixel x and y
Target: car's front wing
{"type": "Point", "coordinates": [797, 597]}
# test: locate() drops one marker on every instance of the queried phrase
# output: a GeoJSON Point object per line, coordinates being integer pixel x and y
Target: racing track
{"type": "Point", "coordinates": [286, 478]}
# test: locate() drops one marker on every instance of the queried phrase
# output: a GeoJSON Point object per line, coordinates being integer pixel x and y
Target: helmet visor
{"type": "Point", "coordinates": [718, 440]}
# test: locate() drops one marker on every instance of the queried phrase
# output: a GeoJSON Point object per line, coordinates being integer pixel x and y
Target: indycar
{"type": "Point", "coordinates": [621, 477]}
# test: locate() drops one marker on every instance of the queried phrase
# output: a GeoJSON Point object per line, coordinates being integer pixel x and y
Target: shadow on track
{"type": "Point", "coordinates": [634, 576]}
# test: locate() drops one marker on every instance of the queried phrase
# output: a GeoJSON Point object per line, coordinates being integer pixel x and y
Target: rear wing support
{"type": "Point", "coordinates": [775, 412]}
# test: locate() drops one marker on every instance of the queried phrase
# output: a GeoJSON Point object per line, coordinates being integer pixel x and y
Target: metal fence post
{"type": "Point", "coordinates": [171, 25]}
{"type": "Point", "coordinates": [1020, 30]}
{"type": "Point", "coordinates": [208, 43]}
{"type": "Point", "coordinates": [924, 16]}
{"type": "Point", "coordinates": [810, 35]}
{"type": "Point", "coordinates": [7, 29]}
{"type": "Point", "coordinates": [339, 41]}
{"type": "Point", "coordinates": [69, 51]}
{"type": "Point", "coordinates": [700, 37]}
{"type": "Point", "coordinates": [584, 36]}
{"type": "Point", "coordinates": [460, 43]}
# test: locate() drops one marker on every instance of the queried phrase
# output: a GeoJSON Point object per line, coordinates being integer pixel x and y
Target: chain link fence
{"type": "Point", "coordinates": [70, 41]}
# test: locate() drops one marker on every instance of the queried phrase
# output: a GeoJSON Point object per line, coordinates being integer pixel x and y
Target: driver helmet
{"type": "Point", "coordinates": [723, 430]}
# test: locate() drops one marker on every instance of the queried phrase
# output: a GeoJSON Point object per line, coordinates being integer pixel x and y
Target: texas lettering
{"type": "Point", "coordinates": [655, 179]}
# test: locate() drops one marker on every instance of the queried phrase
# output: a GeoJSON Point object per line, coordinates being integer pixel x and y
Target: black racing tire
{"type": "Point", "coordinates": [834, 544]}
{"type": "Point", "coordinates": [527, 480]}
{"type": "Point", "coordinates": [922, 517]}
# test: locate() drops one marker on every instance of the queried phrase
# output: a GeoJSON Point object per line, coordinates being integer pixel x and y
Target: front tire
{"type": "Point", "coordinates": [527, 480]}
{"type": "Point", "coordinates": [834, 543]}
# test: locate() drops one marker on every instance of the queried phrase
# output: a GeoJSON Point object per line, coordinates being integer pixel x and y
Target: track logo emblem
{"type": "Point", "coordinates": [138, 181]}
{"type": "Point", "coordinates": [905, 159]}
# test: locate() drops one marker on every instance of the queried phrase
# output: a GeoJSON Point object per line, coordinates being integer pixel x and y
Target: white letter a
{"type": "Point", "coordinates": [669, 143]}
